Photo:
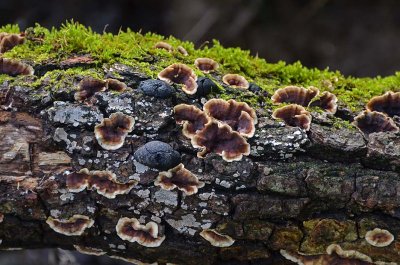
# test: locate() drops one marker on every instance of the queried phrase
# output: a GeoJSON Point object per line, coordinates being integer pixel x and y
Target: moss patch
{"type": "Point", "coordinates": [137, 50]}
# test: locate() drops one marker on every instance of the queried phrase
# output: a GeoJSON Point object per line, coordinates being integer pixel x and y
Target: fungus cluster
{"type": "Point", "coordinates": [10, 40]}
{"type": "Point", "coordinates": [131, 230]}
{"type": "Point", "coordinates": [221, 127]}
{"type": "Point", "coordinates": [216, 239]}
{"type": "Point", "coordinates": [13, 67]}
{"type": "Point", "coordinates": [74, 226]}
{"type": "Point", "coordinates": [378, 114]}
{"type": "Point", "coordinates": [89, 86]}
{"type": "Point", "coordinates": [111, 132]}
{"type": "Point", "coordinates": [181, 178]}
{"type": "Point", "coordinates": [104, 182]}
{"type": "Point", "coordinates": [168, 47]}
{"type": "Point", "coordinates": [179, 73]}
{"type": "Point", "coordinates": [295, 114]}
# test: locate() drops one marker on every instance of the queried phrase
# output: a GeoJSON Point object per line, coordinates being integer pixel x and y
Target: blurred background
{"type": "Point", "coordinates": [359, 38]}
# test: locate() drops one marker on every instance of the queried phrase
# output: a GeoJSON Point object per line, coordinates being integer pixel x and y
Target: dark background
{"type": "Point", "coordinates": [359, 38]}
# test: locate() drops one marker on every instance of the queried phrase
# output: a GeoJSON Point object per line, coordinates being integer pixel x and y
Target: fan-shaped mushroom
{"type": "Point", "coordinates": [294, 94]}
{"type": "Point", "coordinates": [180, 74]}
{"type": "Point", "coordinates": [293, 115]}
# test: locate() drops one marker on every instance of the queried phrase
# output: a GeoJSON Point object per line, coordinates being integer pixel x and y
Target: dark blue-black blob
{"type": "Point", "coordinates": [157, 154]}
{"type": "Point", "coordinates": [156, 88]}
{"type": "Point", "coordinates": [205, 86]}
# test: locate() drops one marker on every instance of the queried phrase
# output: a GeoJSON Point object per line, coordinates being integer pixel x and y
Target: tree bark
{"type": "Point", "coordinates": [296, 191]}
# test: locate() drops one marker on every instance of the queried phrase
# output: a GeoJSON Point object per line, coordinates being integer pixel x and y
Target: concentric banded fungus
{"type": "Point", "coordinates": [326, 101]}
{"type": "Point", "coordinates": [222, 140]}
{"type": "Point", "coordinates": [163, 45]}
{"type": "Point", "coordinates": [293, 115]}
{"type": "Point", "coordinates": [88, 87]}
{"type": "Point", "coordinates": [74, 226]}
{"type": "Point", "coordinates": [206, 65]}
{"type": "Point", "coordinates": [111, 132]}
{"type": "Point", "coordinates": [192, 118]}
{"type": "Point", "coordinates": [9, 41]}
{"type": "Point", "coordinates": [182, 51]}
{"type": "Point", "coordinates": [235, 81]}
{"type": "Point", "coordinates": [181, 178]}
{"type": "Point", "coordinates": [90, 250]}
{"type": "Point", "coordinates": [295, 95]}
{"type": "Point", "coordinates": [106, 184]}
{"type": "Point", "coordinates": [14, 67]}
{"type": "Point", "coordinates": [238, 115]}
{"type": "Point", "coordinates": [131, 230]}
{"type": "Point", "coordinates": [388, 103]}
{"type": "Point", "coordinates": [379, 237]}
{"type": "Point", "coordinates": [373, 121]}
{"type": "Point", "coordinates": [115, 85]}
{"type": "Point", "coordinates": [180, 74]}
{"type": "Point", "coordinates": [78, 181]}
{"type": "Point", "coordinates": [216, 239]}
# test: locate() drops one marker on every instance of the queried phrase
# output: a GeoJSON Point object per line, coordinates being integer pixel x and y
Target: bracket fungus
{"type": "Point", "coordinates": [206, 65]}
{"type": "Point", "coordinates": [104, 182]}
{"type": "Point", "coordinates": [294, 115]}
{"type": "Point", "coordinates": [238, 115]}
{"type": "Point", "coordinates": [9, 41]}
{"type": "Point", "coordinates": [379, 237]}
{"type": "Point", "coordinates": [181, 178]}
{"type": "Point", "coordinates": [326, 101]}
{"type": "Point", "coordinates": [216, 239]}
{"type": "Point", "coordinates": [111, 132]}
{"type": "Point", "coordinates": [372, 121]}
{"type": "Point", "coordinates": [74, 226]}
{"type": "Point", "coordinates": [131, 230]}
{"type": "Point", "coordinates": [88, 87]}
{"type": "Point", "coordinates": [163, 45]}
{"type": "Point", "coordinates": [222, 140]}
{"type": "Point", "coordinates": [115, 85]}
{"type": "Point", "coordinates": [235, 81]}
{"type": "Point", "coordinates": [388, 103]}
{"type": "Point", "coordinates": [13, 67]}
{"type": "Point", "coordinates": [295, 95]}
{"type": "Point", "coordinates": [90, 250]}
{"type": "Point", "coordinates": [180, 74]}
{"type": "Point", "coordinates": [192, 118]}
{"type": "Point", "coordinates": [182, 51]}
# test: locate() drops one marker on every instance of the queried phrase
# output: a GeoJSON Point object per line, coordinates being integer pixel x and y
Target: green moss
{"type": "Point", "coordinates": [137, 50]}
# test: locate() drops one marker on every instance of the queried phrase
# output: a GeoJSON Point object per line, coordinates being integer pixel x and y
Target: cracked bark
{"type": "Point", "coordinates": [296, 191]}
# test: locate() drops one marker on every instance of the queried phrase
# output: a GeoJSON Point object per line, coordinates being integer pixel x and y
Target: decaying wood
{"type": "Point", "coordinates": [296, 191]}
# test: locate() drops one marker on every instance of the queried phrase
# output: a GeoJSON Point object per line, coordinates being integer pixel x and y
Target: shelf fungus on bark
{"type": "Point", "coordinates": [9, 41]}
{"type": "Point", "coordinates": [180, 74]}
{"type": "Point", "coordinates": [192, 119]}
{"type": "Point", "coordinates": [294, 115]}
{"type": "Point", "coordinates": [88, 87]}
{"type": "Point", "coordinates": [179, 177]}
{"type": "Point", "coordinates": [104, 182]}
{"type": "Point", "coordinates": [222, 140]}
{"type": "Point", "coordinates": [216, 239]}
{"type": "Point", "coordinates": [295, 95]}
{"type": "Point", "coordinates": [326, 101]}
{"type": "Point", "coordinates": [372, 121]}
{"type": "Point", "coordinates": [90, 250]}
{"type": "Point", "coordinates": [335, 255]}
{"type": "Point", "coordinates": [14, 67]}
{"type": "Point", "coordinates": [131, 230]}
{"type": "Point", "coordinates": [74, 226]}
{"type": "Point", "coordinates": [379, 237]}
{"type": "Point", "coordinates": [388, 103]}
{"type": "Point", "coordinates": [78, 181]}
{"type": "Point", "coordinates": [235, 81]}
{"type": "Point", "coordinates": [206, 65]}
{"type": "Point", "coordinates": [111, 132]}
{"type": "Point", "coordinates": [164, 45]}
{"type": "Point", "coordinates": [115, 85]}
{"type": "Point", "coordinates": [183, 51]}
{"type": "Point", "coordinates": [238, 115]}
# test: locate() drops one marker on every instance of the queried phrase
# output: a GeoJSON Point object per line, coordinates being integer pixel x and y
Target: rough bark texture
{"type": "Point", "coordinates": [296, 191]}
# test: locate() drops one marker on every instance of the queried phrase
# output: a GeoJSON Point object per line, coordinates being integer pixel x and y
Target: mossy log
{"type": "Point", "coordinates": [299, 191]}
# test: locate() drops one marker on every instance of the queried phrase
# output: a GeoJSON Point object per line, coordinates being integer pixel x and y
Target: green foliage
{"type": "Point", "coordinates": [137, 50]}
